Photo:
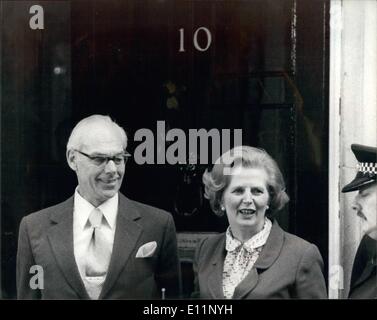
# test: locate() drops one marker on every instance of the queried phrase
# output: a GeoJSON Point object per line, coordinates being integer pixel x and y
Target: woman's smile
{"type": "Point", "coordinates": [246, 213]}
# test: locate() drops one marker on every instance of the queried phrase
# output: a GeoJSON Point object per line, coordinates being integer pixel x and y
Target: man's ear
{"type": "Point", "coordinates": [71, 159]}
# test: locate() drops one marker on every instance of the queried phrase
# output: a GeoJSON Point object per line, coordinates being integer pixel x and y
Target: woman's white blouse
{"type": "Point", "coordinates": [240, 257]}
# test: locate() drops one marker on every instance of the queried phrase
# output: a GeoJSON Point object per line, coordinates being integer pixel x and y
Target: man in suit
{"type": "Point", "coordinates": [98, 244]}
{"type": "Point", "coordinates": [363, 279]}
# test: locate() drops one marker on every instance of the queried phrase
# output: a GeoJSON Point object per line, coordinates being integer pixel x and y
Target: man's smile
{"type": "Point", "coordinates": [109, 182]}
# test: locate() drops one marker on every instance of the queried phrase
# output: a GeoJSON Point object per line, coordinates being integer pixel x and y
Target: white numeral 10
{"type": "Point", "coordinates": [195, 39]}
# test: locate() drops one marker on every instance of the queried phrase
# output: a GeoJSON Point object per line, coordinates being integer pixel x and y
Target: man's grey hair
{"type": "Point", "coordinates": [76, 137]}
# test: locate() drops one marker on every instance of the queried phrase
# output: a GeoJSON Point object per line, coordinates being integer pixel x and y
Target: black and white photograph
{"type": "Point", "coordinates": [188, 151]}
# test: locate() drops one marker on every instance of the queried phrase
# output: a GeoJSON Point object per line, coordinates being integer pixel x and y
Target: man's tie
{"type": "Point", "coordinates": [98, 256]}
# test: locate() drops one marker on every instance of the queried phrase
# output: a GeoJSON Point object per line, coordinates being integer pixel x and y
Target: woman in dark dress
{"type": "Point", "coordinates": [255, 258]}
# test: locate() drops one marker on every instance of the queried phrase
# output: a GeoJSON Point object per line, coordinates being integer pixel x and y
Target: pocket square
{"type": "Point", "coordinates": [146, 250]}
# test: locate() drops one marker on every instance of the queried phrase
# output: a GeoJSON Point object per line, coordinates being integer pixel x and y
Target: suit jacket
{"type": "Point", "coordinates": [364, 279]}
{"type": "Point", "coordinates": [287, 267]}
{"type": "Point", "coordinates": [46, 239]}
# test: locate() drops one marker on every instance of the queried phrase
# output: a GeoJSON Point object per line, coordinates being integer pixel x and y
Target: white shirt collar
{"type": "Point", "coordinates": [83, 208]}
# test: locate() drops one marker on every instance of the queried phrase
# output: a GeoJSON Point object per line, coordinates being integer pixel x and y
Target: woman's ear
{"type": "Point", "coordinates": [221, 203]}
{"type": "Point", "coordinates": [222, 210]}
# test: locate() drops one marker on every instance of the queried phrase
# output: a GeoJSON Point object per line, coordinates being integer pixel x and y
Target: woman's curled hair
{"type": "Point", "coordinates": [218, 179]}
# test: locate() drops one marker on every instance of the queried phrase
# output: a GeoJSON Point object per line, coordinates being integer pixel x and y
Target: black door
{"type": "Point", "coordinates": [260, 66]}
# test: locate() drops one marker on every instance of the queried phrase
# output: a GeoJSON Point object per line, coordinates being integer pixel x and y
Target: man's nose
{"type": "Point", "coordinates": [110, 166]}
{"type": "Point", "coordinates": [355, 203]}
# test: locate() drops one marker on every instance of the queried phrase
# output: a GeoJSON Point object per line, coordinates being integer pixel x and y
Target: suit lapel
{"type": "Point", "coordinates": [60, 237]}
{"type": "Point", "coordinates": [267, 257]}
{"type": "Point", "coordinates": [127, 233]}
{"type": "Point", "coordinates": [272, 248]}
{"type": "Point", "coordinates": [365, 260]}
{"type": "Point", "coordinates": [215, 278]}
{"type": "Point", "coordinates": [247, 284]}
{"type": "Point", "coordinates": [367, 272]}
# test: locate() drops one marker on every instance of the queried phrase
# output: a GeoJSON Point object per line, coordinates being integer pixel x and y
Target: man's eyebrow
{"type": "Point", "coordinates": [99, 154]}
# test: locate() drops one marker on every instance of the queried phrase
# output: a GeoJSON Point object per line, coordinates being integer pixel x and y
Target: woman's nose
{"type": "Point", "coordinates": [247, 198]}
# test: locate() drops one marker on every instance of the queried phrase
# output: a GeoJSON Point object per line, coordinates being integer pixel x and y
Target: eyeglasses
{"type": "Point", "coordinates": [103, 160]}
